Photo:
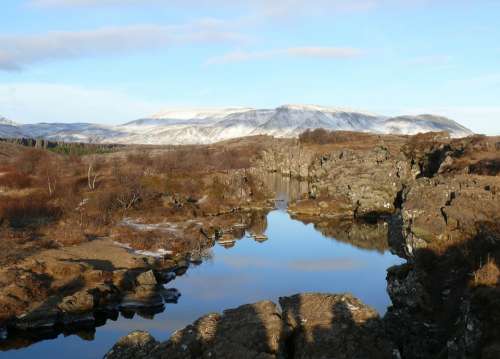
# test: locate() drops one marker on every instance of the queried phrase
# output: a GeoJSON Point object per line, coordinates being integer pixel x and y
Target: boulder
{"type": "Point", "coordinates": [79, 302]}
{"type": "Point", "coordinates": [447, 210]}
{"type": "Point", "coordinates": [136, 345]}
{"type": "Point", "coordinates": [250, 331]}
{"type": "Point", "coordinates": [334, 326]}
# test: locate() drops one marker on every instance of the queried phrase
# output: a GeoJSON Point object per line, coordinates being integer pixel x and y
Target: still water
{"type": "Point", "coordinates": [295, 258]}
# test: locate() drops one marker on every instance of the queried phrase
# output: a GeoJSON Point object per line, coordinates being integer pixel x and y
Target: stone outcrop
{"type": "Point", "coordinates": [449, 209]}
{"type": "Point", "coordinates": [65, 289]}
{"type": "Point", "coordinates": [309, 326]}
{"type": "Point", "coordinates": [334, 326]}
{"type": "Point", "coordinates": [450, 229]}
{"type": "Point", "coordinates": [440, 199]}
{"type": "Point", "coordinates": [136, 345]}
{"type": "Point", "coordinates": [361, 181]}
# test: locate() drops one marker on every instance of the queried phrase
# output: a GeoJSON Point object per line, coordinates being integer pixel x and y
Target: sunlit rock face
{"type": "Point", "coordinates": [308, 326]}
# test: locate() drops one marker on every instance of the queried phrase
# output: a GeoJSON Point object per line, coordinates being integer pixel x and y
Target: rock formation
{"type": "Point", "coordinates": [307, 326]}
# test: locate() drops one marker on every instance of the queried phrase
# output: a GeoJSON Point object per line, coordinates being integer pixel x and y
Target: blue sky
{"type": "Point", "coordinates": [111, 61]}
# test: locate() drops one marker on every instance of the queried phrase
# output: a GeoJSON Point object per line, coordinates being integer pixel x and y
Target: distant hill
{"type": "Point", "coordinates": [201, 126]}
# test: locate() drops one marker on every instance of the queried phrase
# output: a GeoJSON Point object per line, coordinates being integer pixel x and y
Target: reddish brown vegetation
{"type": "Point", "coordinates": [30, 210]}
{"type": "Point", "coordinates": [70, 199]}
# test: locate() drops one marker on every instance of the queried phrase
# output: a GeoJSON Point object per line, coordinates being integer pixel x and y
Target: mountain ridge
{"type": "Point", "coordinates": [204, 126]}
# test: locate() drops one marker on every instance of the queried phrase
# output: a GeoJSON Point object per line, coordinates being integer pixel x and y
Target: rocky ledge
{"type": "Point", "coordinates": [302, 326]}
{"type": "Point", "coordinates": [78, 286]}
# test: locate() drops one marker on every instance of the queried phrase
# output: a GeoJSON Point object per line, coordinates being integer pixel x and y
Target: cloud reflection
{"type": "Point", "coordinates": [306, 265]}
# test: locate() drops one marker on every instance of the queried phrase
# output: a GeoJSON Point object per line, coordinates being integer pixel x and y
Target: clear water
{"type": "Point", "coordinates": [295, 258]}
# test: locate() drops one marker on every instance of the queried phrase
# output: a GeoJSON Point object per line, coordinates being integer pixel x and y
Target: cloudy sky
{"type": "Point", "coordinates": [112, 61]}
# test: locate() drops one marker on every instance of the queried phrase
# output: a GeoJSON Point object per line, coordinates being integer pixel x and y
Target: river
{"type": "Point", "coordinates": [295, 257]}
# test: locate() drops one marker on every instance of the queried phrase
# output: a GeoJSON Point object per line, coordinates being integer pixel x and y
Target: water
{"type": "Point", "coordinates": [295, 258]}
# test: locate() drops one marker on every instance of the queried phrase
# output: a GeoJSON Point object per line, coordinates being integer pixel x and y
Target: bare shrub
{"type": "Point", "coordinates": [28, 161]}
{"type": "Point", "coordinates": [30, 210]}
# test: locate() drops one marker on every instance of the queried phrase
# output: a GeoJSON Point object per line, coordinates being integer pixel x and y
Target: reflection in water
{"type": "Point", "coordinates": [286, 189]}
{"type": "Point", "coordinates": [298, 256]}
{"type": "Point", "coordinates": [370, 236]}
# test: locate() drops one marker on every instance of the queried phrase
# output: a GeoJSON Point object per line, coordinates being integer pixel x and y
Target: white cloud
{"type": "Point", "coordinates": [17, 51]}
{"type": "Point", "coordinates": [310, 52]}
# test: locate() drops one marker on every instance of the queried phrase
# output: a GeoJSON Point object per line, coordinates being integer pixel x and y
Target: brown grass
{"type": "Point", "coordinates": [15, 180]}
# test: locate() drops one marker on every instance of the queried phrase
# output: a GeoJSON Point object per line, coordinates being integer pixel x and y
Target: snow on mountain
{"type": "Point", "coordinates": [425, 123]}
{"type": "Point", "coordinates": [6, 121]}
{"type": "Point", "coordinates": [198, 113]}
{"type": "Point", "coordinates": [71, 132]}
{"type": "Point", "coordinates": [203, 126]}
{"type": "Point", "coordinates": [9, 129]}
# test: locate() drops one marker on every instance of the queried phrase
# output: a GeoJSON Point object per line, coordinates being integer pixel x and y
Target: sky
{"type": "Point", "coordinates": [113, 61]}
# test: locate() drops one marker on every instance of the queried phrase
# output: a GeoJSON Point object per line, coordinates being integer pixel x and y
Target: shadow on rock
{"type": "Point", "coordinates": [308, 326]}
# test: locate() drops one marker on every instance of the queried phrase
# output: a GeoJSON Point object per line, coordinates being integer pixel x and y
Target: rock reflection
{"type": "Point", "coordinates": [22, 339]}
{"type": "Point", "coordinates": [253, 223]}
{"type": "Point", "coordinates": [286, 189]}
{"type": "Point", "coordinates": [369, 236]}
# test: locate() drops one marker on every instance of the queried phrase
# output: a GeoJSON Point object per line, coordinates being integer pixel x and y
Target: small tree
{"type": "Point", "coordinates": [94, 166]}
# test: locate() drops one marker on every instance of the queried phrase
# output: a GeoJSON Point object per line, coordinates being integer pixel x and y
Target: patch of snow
{"type": "Point", "coordinates": [160, 253]}
{"type": "Point", "coordinates": [162, 227]}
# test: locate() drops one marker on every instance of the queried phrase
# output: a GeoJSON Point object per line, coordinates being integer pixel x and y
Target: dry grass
{"type": "Point", "coordinates": [15, 180]}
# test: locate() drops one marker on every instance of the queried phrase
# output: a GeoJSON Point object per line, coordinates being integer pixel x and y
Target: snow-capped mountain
{"type": "Point", "coordinates": [202, 126]}
{"type": "Point", "coordinates": [6, 121]}
{"type": "Point", "coordinates": [9, 129]}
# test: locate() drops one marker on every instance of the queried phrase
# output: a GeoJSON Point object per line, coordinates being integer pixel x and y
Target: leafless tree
{"type": "Point", "coordinates": [49, 169]}
{"type": "Point", "coordinates": [93, 172]}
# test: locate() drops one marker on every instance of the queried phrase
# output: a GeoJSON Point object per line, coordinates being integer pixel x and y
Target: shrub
{"type": "Point", "coordinates": [30, 210]}
{"type": "Point", "coordinates": [28, 161]}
